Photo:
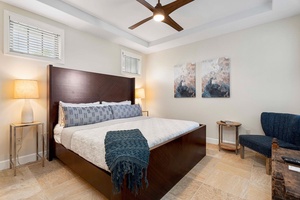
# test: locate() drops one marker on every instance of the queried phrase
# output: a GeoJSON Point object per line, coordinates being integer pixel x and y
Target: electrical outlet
{"type": "Point", "coordinates": [18, 141]}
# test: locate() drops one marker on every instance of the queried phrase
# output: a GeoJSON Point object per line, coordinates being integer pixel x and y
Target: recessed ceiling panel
{"type": "Point", "coordinates": [124, 13]}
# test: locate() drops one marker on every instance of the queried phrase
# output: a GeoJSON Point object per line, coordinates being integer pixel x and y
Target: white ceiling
{"type": "Point", "coordinates": [200, 19]}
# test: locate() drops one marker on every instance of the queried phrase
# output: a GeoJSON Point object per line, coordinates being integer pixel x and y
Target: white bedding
{"type": "Point", "coordinates": [88, 140]}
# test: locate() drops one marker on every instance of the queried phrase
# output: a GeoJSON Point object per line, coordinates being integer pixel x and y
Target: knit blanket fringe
{"type": "Point", "coordinates": [127, 155]}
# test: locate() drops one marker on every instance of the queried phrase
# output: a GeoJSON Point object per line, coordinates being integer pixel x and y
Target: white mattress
{"type": "Point", "coordinates": [88, 141]}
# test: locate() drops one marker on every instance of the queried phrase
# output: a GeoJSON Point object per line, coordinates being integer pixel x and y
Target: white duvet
{"type": "Point", "coordinates": [88, 141]}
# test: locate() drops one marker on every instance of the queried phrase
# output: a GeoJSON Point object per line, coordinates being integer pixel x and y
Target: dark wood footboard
{"type": "Point", "coordinates": [168, 164]}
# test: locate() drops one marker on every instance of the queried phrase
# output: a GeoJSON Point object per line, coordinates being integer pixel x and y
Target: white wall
{"type": "Point", "coordinates": [265, 76]}
{"type": "Point", "coordinates": [82, 51]}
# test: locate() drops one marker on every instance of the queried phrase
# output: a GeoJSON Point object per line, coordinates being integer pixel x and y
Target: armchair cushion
{"type": "Point", "coordinates": [263, 144]}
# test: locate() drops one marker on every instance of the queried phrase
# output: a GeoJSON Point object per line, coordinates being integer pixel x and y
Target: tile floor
{"type": "Point", "coordinates": [220, 175]}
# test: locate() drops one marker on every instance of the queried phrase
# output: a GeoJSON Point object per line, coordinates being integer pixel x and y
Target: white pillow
{"type": "Point", "coordinates": [61, 115]}
{"type": "Point", "coordinates": [127, 102]}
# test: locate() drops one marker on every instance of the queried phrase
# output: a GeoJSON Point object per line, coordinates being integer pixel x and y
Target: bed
{"type": "Point", "coordinates": [169, 161]}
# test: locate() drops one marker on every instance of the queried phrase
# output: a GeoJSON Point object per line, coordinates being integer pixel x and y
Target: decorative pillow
{"type": "Point", "coordinates": [126, 111]}
{"type": "Point", "coordinates": [61, 115]}
{"type": "Point", "coordinates": [127, 102]}
{"type": "Point", "coordinates": [77, 116]}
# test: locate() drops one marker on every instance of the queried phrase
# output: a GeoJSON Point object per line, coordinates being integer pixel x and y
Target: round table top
{"type": "Point", "coordinates": [228, 123]}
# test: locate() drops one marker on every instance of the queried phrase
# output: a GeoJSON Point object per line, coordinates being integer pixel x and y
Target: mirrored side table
{"type": "Point", "coordinates": [13, 143]}
{"type": "Point", "coordinates": [146, 112]}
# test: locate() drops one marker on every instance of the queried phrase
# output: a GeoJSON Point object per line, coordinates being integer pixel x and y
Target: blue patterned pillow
{"type": "Point", "coordinates": [77, 116]}
{"type": "Point", "coordinates": [126, 111]}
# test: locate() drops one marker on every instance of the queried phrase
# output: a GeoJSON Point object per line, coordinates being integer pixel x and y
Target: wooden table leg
{"type": "Point", "coordinates": [219, 137]}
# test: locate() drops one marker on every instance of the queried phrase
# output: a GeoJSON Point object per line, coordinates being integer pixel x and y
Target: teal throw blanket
{"type": "Point", "coordinates": [127, 154]}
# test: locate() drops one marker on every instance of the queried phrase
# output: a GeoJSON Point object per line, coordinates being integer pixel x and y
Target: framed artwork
{"type": "Point", "coordinates": [185, 80]}
{"type": "Point", "coordinates": [215, 76]}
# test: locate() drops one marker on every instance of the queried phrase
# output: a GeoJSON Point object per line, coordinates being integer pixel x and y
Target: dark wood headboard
{"type": "Point", "coordinates": [76, 86]}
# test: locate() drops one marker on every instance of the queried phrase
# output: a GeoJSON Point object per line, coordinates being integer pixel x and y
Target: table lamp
{"type": "Point", "coordinates": [26, 89]}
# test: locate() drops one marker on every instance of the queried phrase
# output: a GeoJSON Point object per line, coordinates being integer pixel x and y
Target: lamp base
{"type": "Point", "coordinates": [27, 113]}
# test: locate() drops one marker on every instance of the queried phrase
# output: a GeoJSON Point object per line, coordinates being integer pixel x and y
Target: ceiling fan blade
{"type": "Point", "coordinates": [140, 23]}
{"type": "Point", "coordinates": [168, 20]}
{"type": "Point", "coordinates": [146, 4]}
{"type": "Point", "coordinates": [169, 8]}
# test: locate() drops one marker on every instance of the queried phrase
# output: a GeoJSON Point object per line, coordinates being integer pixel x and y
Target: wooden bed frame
{"type": "Point", "coordinates": [168, 162]}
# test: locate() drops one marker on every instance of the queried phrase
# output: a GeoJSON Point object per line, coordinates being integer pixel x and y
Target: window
{"type": "Point", "coordinates": [29, 38]}
{"type": "Point", "coordinates": [131, 63]}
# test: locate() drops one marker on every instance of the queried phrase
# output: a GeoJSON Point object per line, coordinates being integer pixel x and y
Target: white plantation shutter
{"type": "Point", "coordinates": [33, 41]}
{"type": "Point", "coordinates": [131, 63]}
{"type": "Point", "coordinates": [31, 38]}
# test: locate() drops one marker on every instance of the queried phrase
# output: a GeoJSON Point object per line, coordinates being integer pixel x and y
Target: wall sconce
{"type": "Point", "coordinates": [26, 89]}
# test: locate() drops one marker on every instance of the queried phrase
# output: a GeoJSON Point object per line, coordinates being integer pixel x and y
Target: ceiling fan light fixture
{"type": "Point", "coordinates": [159, 17]}
{"type": "Point", "coordinates": [158, 14]}
{"type": "Point", "coordinates": [162, 13]}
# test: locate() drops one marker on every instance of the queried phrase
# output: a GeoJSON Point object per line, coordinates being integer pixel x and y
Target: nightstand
{"type": "Point", "coordinates": [13, 144]}
{"type": "Point", "coordinates": [146, 111]}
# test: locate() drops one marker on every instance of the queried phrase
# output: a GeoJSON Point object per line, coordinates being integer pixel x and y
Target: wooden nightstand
{"type": "Point", "coordinates": [228, 146]}
{"type": "Point", "coordinates": [13, 145]}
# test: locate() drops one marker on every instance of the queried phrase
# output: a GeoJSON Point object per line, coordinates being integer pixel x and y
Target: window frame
{"type": "Point", "coordinates": [132, 55]}
{"type": "Point", "coordinates": [34, 23]}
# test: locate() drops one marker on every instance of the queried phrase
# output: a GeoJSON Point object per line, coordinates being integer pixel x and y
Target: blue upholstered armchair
{"type": "Point", "coordinates": [284, 127]}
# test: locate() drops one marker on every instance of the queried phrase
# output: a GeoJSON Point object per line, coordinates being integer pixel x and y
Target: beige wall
{"type": "Point", "coordinates": [265, 73]}
{"type": "Point", "coordinates": [265, 76]}
{"type": "Point", "coordinates": [82, 51]}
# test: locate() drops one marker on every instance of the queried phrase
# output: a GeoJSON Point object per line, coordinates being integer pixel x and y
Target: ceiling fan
{"type": "Point", "coordinates": [161, 13]}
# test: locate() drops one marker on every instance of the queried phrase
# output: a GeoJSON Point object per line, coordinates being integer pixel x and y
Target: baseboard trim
{"type": "Point", "coordinates": [212, 140]}
{"type": "Point", "coordinates": [22, 159]}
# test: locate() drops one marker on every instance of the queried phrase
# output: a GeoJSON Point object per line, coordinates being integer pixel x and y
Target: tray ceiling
{"type": "Point", "coordinates": [201, 19]}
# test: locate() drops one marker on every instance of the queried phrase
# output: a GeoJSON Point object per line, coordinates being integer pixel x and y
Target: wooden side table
{"type": "Point", "coordinates": [13, 145]}
{"type": "Point", "coordinates": [228, 146]}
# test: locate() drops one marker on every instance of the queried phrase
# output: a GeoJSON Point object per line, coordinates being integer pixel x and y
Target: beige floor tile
{"type": "Point", "coordinates": [206, 192]}
{"type": "Point", "coordinates": [260, 178]}
{"type": "Point", "coordinates": [24, 185]}
{"type": "Point", "coordinates": [39, 196]}
{"type": "Point", "coordinates": [200, 172]}
{"type": "Point", "coordinates": [259, 160]}
{"type": "Point", "coordinates": [219, 175]}
{"type": "Point", "coordinates": [54, 178]}
{"type": "Point", "coordinates": [209, 161]}
{"type": "Point", "coordinates": [66, 189]}
{"type": "Point", "coordinates": [212, 146]}
{"type": "Point", "coordinates": [212, 152]}
{"type": "Point", "coordinates": [257, 192]}
{"type": "Point", "coordinates": [170, 196]}
{"type": "Point", "coordinates": [228, 182]}
{"type": "Point", "coordinates": [242, 171]}
{"type": "Point", "coordinates": [185, 188]}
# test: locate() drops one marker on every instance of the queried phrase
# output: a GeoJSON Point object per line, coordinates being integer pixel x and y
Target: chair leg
{"type": "Point", "coordinates": [268, 166]}
{"type": "Point", "coordinates": [242, 153]}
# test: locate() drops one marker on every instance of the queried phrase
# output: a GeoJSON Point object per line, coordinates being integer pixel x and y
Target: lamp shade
{"type": "Point", "coordinates": [26, 89]}
{"type": "Point", "coordinates": [140, 93]}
